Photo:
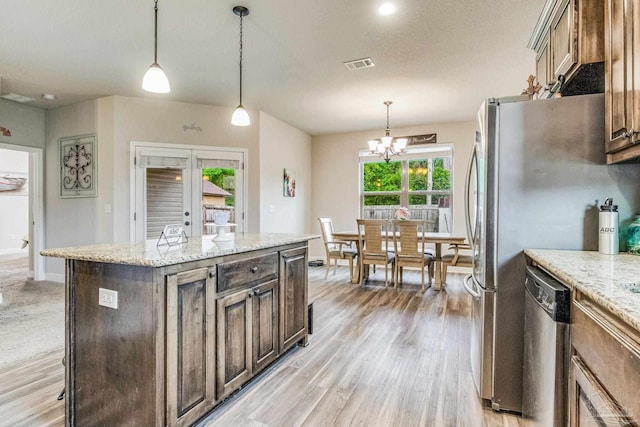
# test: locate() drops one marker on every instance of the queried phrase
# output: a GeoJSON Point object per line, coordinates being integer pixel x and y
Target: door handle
{"type": "Point", "coordinates": [472, 291]}
{"type": "Point", "coordinates": [186, 214]}
{"type": "Point", "coordinates": [467, 190]}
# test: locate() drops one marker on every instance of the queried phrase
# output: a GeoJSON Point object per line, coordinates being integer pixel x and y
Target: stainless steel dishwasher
{"type": "Point", "coordinates": [546, 350]}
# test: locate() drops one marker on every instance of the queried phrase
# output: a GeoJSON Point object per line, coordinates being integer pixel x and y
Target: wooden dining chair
{"type": "Point", "coordinates": [374, 246]}
{"type": "Point", "coordinates": [336, 249]}
{"type": "Point", "coordinates": [410, 251]}
{"type": "Point", "coordinates": [456, 259]}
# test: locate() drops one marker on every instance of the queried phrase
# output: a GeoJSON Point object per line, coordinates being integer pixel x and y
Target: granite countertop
{"type": "Point", "coordinates": [612, 281]}
{"type": "Point", "coordinates": [148, 253]}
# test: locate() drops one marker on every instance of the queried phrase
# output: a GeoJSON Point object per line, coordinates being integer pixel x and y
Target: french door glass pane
{"type": "Point", "coordinates": [218, 195]}
{"type": "Point", "coordinates": [164, 199]}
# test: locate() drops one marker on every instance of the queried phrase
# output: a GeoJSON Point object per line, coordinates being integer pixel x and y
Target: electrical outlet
{"type": "Point", "coordinates": [108, 298]}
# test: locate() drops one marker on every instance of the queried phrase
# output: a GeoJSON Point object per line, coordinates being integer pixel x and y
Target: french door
{"type": "Point", "coordinates": [176, 185]}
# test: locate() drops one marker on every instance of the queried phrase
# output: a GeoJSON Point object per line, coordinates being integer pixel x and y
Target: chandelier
{"type": "Point", "coordinates": [386, 147]}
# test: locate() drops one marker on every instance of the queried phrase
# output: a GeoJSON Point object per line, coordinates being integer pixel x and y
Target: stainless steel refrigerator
{"type": "Point", "coordinates": [536, 176]}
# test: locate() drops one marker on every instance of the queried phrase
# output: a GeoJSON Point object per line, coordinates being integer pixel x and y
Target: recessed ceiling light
{"type": "Point", "coordinates": [48, 96]}
{"type": "Point", "coordinates": [387, 9]}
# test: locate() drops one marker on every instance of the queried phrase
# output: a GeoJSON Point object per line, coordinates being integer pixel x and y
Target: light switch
{"type": "Point", "coordinates": [107, 208]}
{"type": "Point", "coordinates": [272, 208]}
{"type": "Point", "coordinates": [108, 298]}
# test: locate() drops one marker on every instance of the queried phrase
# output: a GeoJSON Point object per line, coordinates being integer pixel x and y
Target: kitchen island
{"type": "Point", "coordinates": [159, 335]}
{"type": "Point", "coordinates": [604, 364]}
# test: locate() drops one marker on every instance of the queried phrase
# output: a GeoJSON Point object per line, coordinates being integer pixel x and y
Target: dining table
{"type": "Point", "coordinates": [437, 239]}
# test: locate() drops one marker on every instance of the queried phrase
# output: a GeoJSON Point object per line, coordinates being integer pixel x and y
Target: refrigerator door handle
{"type": "Point", "coordinates": [471, 289]}
{"type": "Point", "coordinates": [467, 189]}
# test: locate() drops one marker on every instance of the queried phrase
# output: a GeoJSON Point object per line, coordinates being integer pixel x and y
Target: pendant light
{"type": "Point", "coordinates": [155, 80]}
{"type": "Point", "coordinates": [386, 147]}
{"type": "Point", "coordinates": [240, 116]}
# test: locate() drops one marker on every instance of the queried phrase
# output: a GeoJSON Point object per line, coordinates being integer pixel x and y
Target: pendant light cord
{"type": "Point", "coordinates": [241, 15]}
{"type": "Point", "coordinates": [155, 35]}
{"type": "Point", "coordinates": [388, 130]}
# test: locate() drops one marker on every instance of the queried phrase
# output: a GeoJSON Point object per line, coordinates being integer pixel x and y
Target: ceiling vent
{"type": "Point", "coordinates": [16, 97]}
{"type": "Point", "coordinates": [357, 64]}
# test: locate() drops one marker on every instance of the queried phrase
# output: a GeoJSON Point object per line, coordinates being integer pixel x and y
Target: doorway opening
{"type": "Point", "coordinates": [21, 217]}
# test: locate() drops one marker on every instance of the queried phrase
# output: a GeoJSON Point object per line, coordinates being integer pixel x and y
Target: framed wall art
{"type": "Point", "coordinates": [289, 183]}
{"type": "Point", "coordinates": [78, 166]}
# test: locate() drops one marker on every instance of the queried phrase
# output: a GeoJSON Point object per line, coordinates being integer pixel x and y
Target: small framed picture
{"type": "Point", "coordinates": [289, 183]}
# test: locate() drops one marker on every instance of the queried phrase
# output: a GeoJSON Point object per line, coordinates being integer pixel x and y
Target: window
{"type": "Point", "coordinates": [419, 179]}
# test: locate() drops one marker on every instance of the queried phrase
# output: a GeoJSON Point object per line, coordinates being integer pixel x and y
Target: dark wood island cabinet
{"type": "Point", "coordinates": [178, 329]}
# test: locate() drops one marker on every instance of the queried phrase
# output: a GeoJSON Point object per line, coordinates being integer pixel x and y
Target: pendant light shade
{"type": "Point", "coordinates": [155, 80]}
{"type": "Point", "coordinates": [240, 116]}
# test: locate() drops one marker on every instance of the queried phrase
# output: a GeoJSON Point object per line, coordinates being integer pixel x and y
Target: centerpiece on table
{"type": "Point", "coordinates": [401, 214]}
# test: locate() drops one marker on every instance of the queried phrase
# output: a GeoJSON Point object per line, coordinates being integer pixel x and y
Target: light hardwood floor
{"type": "Point", "coordinates": [377, 357]}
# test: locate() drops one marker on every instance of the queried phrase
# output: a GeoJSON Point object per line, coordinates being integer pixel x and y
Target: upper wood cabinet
{"type": "Point", "coordinates": [543, 67]}
{"type": "Point", "coordinates": [569, 35]}
{"type": "Point", "coordinates": [622, 76]}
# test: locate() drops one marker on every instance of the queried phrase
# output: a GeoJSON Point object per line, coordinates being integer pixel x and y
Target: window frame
{"type": "Point", "coordinates": [412, 153]}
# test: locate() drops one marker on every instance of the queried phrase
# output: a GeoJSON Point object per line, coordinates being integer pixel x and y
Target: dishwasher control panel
{"type": "Point", "coordinates": [552, 296]}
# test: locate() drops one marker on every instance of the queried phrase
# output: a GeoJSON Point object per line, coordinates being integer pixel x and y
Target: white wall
{"type": "Point", "coordinates": [119, 120]}
{"type": "Point", "coordinates": [14, 208]}
{"type": "Point", "coordinates": [69, 222]}
{"type": "Point", "coordinates": [283, 146]}
{"type": "Point", "coordinates": [335, 174]}
{"type": "Point", "coordinates": [26, 124]}
{"type": "Point", "coordinates": [157, 120]}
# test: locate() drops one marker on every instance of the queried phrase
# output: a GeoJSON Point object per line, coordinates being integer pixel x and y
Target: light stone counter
{"type": "Point", "coordinates": [148, 253]}
{"type": "Point", "coordinates": [613, 281]}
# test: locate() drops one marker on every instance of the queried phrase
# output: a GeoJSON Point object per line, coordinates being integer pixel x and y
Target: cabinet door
{"type": "Point", "coordinates": [617, 35]}
{"type": "Point", "coordinates": [589, 403]}
{"type": "Point", "coordinates": [293, 297]}
{"type": "Point", "coordinates": [265, 324]}
{"type": "Point", "coordinates": [563, 47]}
{"type": "Point", "coordinates": [234, 342]}
{"type": "Point", "coordinates": [190, 345]}
{"type": "Point", "coordinates": [542, 68]}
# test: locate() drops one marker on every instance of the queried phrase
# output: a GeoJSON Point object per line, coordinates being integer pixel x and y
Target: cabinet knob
{"type": "Point", "coordinates": [212, 274]}
{"type": "Point", "coordinates": [254, 269]}
{"type": "Point", "coordinates": [256, 292]}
